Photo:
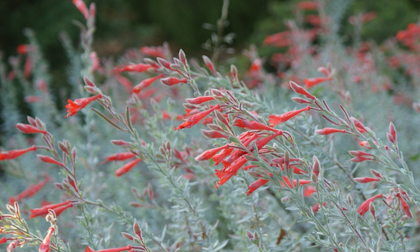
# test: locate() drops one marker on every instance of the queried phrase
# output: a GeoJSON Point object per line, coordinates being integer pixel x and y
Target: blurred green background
{"type": "Point", "coordinates": [133, 23]}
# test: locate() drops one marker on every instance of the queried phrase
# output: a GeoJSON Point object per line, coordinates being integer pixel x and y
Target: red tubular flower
{"type": "Point", "coordinates": [308, 191]}
{"type": "Point", "coordinates": [22, 49]}
{"type": "Point", "coordinates": [364, 207]}
{"type": "Point", "coordinates": [253, 125]}
{"type": "Point", "coordinates": [30, 191]}
{"type": "Point", "coordinates": [153, 51]}
{"type": "Point", "coordinates": [12, 246]}
{"type": "Point", "coordinates": [365, 144]}
{"type": "Point", "coordinates": [128, 247]}
{"type": "Point", "coordinates": [231, 170]}
{"type": "Point", "coordinates": [194, 119]}
{"type": "Point", "coordinates": [310, 82]}
{"type": "Point", "coordinates": [47, 159]}
{"type": "Point", "coordinates": [327, 131]}
{"type": "Point", "coordinates": [79, 104]}
{"type": "Point", "coordinates": [359, 153]}
{"type": "Point", "coordinates": [359, 126]}
{"type": "Point", "coordinates": [170, 81]}
{"type": "Point", "coordinates": [300, 90]}
{"type": "Point", "coordinates": [133, 68]}
{"type": "Point", "coordinates": [213, 134]}
{"type": "Point", "coordinates": [145, 83]}
{"type": "Point", "coordinates": [29, 129]}
{"type": "Point", "coordinates": [405, 206]}
{"type": "Point", "coordinates": [45, 245]}
{"type": "Point", "coordinates": [360, 159]}
{"type": "Point", "coordinates": [199, 100]}
{"type": "Point", "coordinates": [58, 209]}
{"type": "Point", "coordinates": [126, 168]}
{"type": "Point", "coordinates": [393, 133]}
{"type": "Point", "coordinates": [366, 179]}
{"type": "Point", "coordinates": [118, 157]}
{"type": "Point", "coordinates": [209, 64]}
{"type": "Point", "coordinates": [3, 240]}
{"type": "Point", "coordinates": [81, 6]}
{"type": "Point", "coordinates": [8, 155]}
{"type": "Point", "coordinates": [255, 185]}
{"type": "Point", "coordinates": [278, 119]}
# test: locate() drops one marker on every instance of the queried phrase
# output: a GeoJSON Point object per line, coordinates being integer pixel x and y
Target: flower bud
{"type": "Point", "coordinates": [285, 199]}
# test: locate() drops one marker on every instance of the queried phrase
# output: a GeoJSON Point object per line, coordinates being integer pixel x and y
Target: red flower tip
{"type": "Point", "coordinates": [81, 6]}
{"type": "Point", "coordinates": [126, 168]}
{"type": "Point", "coordinates": [278, 119]}
{"type": "Point", "coordinates": [254, 125]}
{"type": "Point", "coordinates": [79, 104]}
{"type": "Point", "coordinates": [405, 206]}
{"type": "Point", "coordinates": [29, 129]}
{"type": "Point", "coordinates": [153, 51]}
{"type": "Point", "coordinates": [145, 83]}
{"type": "Point", "coordinates": [393, 133]}
{"type": "Point", "coordinates": [327, 131]}
{"type": "Point", "coordinates": [47, 159]}
{"type": "Point", "coordinates": [58, 209]}
{"type": "Point", "coordinates": [315, 81]}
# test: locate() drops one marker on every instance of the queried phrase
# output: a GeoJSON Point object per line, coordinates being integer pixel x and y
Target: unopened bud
{"type": "Point", "coordinates": [375, 173]}
{"type": "Point", "coordinates": [127, 236]}
{"type": "Point", "coordinates": [314, 178]}
{"type": "Point", "coordinates": [300, 100]}
{"type": "Point", "coordinates": [285, 199]}
{"type": "Point", "coordinates": [182, 57]}
{"type": "Point", "coordinates": [88, 82]}
{"type": "Point", "coordinates": [315, 165]}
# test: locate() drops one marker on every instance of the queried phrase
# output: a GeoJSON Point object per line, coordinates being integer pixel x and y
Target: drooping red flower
{"type": "Point", "coordinates": [253, 125]}
{"type": "Point", "coordinates": [366, 179]}
{"type": "Point", "coordinates": [145, 83]}
{"type": "Point", "coordinates": [255, 185]}
{"type": "Point", "coordinates": [8, 155]}
{"type": "Point", "coordinates": [170, 81]}
{"type": "Point", "coordinates": [29, 129]}
{"type": "Point", "coordinates": [364, 207]}
{"type": "Point", "coordinates": [199, 100]}
{"type": "Point", "coordinates": [79, 104]}
{"type": "Point", "coordinates": [128, 247]}
{"type": "Point", "coordinates": [126, 168]}
{"type": "Point", "coordinates": [230, 171]}
{"type": "Point", "coordinates": [360, 159]}
{"type": "Point", "coordinates": [45, 245]}
{"type": "Point", "coordinates": [300, 90]}
{"type": "Point", "coordinates": [118, 157]}
{"type": "Point", "coordinates": [327, 131]}
{"type": "Point", "coordinates": [310, 82]}
{"type": "Point", "coordinates": [30, 191]}
{"type": "Point", "coordinates": [278, 119]}
{"type": "Point", "coordinates": [405, 206]}
{"type": "Point", "coordinates": [194, 119]}
{"type": "Point", "coordinates": [58, 209]}
{"type": "Point", "coordinates": [81, 6]}
{"type": "Point", "coordinates": [141, 67]}
{"type": "Point", "coordinates": [47, 159]}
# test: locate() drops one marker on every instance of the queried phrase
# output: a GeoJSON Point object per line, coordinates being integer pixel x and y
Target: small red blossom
{"type": "Point", "coordinates": [8, 155]}
{"type": "Point", "coordinates": [327, 131]}
{"type": "Point", "coordinates": [392, 133]}
{"type": "Point", "coordinates": [128, 247]}
{"type": "Point", "coordinates": [145, 83]}
{"type": "Point", "coordinates": [22, 49]}
{"type": "Point", "coordinates": [230, 171]}
{"type": "Point", "coordinates": [308, 191]}
{"type": "Point", "coordinates": [199, 100]}
{"type": "Point", "coordinates": [45, 245]}
{"type": "Point", "coordinates": [58, 209]}
{"type": "Point", "coordinates": [79, 104]}
{"type": "Point", "coordinates": [81, 6]}
{"type": "Point", "coordinates": [310, 82]}
{"type": "Point", "coordinates": [253, 125]}
{"type": "Point", "coordinates": [405, 206]}
{"type": "Point", "coordinates": [118, 157]}
{"type": "Point", "coordinates": [47, 159]}
{"type": "Point", "coordinates": [30, 191]}
{"type": "Point", "coordinates": [126, 168]}
{"type": "Point", "coordinates": [194, 119]}
{"type": "Point", "coordinates": [3, 240]}
{"type": "Point", "coordinates": [278, 119]}
{"type": "Point", "coordinates": [29, 129]}
{"type": "Point", "coordinates": [366, 179]}
{"type": "Point", "coordinates": [364, 207]}
{"type": "Point", "coordinates": [300, 90]}
{"type": "Point", "coordinates": [170, 81]}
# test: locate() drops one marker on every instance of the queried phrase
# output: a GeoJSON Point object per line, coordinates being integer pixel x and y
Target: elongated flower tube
{"type": "Point", "coordinates": [327, 131]}
{"type": "Point", "coordinates": [199, 100]}
{"type": "Point", "coordinates": [405, 206]}
{"type": "Point", "coordinates": [126, 168]}
{"type": "Point", "coordinates": [58, 209]}
{"type": "Point", "coordinates": [47, 159]}
{"type": "Point", "coordinates": [360, 159]}
{"type": "Point", "coordinates": [255, 185]}
{"type": "Point", "coordinates": [300, 90]}
{"type": "Point", "coordinates": [145, 83]}
{"type": "Point", "coordinates": [45, 245]}
{"type": "Point", "coordinates": [194, 119]}
{"type": "Point", "coordinates": [29, 129]}
{"type": "Point", "coordinates": [209, 64]}
{"type": "Point", "coordinates": [213, 134]}
{"type": "Point", "coordinates": [126, 83]}
{"type": "Point", "coordinates": [210, 153]}
{"type": "Point", "coordinates": [253, 125]}
{"type": "Point", "coordinates": [310, 82]}
{"type": "Point", "coordinates": [118, 157]}
{"type": "Point", "coordinates": [170, 81]}
{"type": "Point", "coordinates": [366, 179]}
{"type": "Point", "coordinates": [79, 104]}
{"type": "Point", "coordinates": [81, 6]}
{"type": "Point", "coordinates": [128, 247]}
{"type": "Point", "coordinates": [141, 67]}
{"type": "Point", "coordinates": [8, 155]}
{"type": "Point", "coordinates": [3, 240]}
{"type": "Point", "coordinates": [278, 119]}
{"type": "Point", "coordinates": [230, 171]}
{"type": "Point", "coordinates": [364, 207]}
{"type": "Point", "coordinates": [30, 191]}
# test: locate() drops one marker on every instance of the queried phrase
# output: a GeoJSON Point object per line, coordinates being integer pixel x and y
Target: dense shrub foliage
{"type": "Point", "coordinates": [161, 152]}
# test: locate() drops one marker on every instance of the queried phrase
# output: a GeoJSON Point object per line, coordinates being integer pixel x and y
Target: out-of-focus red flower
{"type": "Point", "coordinates": [405, 206]}
{"type": "Point", "coordinates": [310, 82]}
{"type": "Point", "coordinates": [33, 99]}
{"type": "Point", "coordinates": [366, 180]}
{"type": "Point", "coordinates": [58, 209]}
{"type": "Point", "coordinates": [30, 191]}
{"type": "Point", "coordinates": [199, 100]}
{"type": "Point", "coordinates": [327, 131]}
{"type": "Point", "coordinates": [8, 155]}
{"type": "Point", "coordinates": [126, 168]}
{"type": "Point", "coordinates": [170, 81]}
{"type": "Point", "coordinates": [308, 5]}
{"type": "Point", "coordinates": [194, 119]}
{"type": "Point", "coordinates": [128, 247]}
{"type": "Point", "coordinates": [22, 49]}
{"type": "Point", "coordinates": [118, 157]}
{"type": "Point", "coordinates": [209, 64]}
{"type": "Point", "coordinates": [29, 129]}
{"type": "Point", "coordinates": [364, 207]}
{"type": "Point", "coordinates": [308, 191]}
{"type": "Point", "coordinates": [81, 6]}
{"type": "Point", "coordinates": [27, 68]}
{"type": "Point", "coordinates": [79, 104]}
{"type": "Point", "coordinates": [45, 245]}
{"type": "Point", "coordinates": [153, 51]}
{"type": "Point", "coordinates": [47, 159]}
{"type": "Point", "coordinates": [278, 119]}
{"type": "Point", "coordinates": [145, 83]}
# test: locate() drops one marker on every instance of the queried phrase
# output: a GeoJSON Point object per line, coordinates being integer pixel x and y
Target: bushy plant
{"type": "Point", "coordinates": [250, 168]}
